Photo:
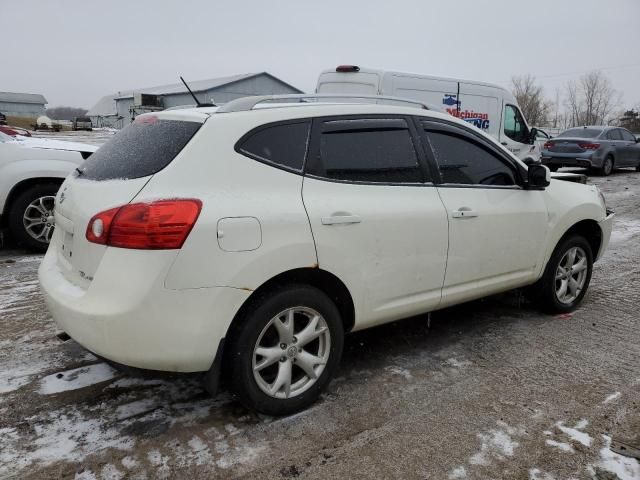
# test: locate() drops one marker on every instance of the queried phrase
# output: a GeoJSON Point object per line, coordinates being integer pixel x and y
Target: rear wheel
{"type": "Point", "coordinates": [566, 277]}
{"type": "Point", "coordinates": [285, 350]}
{"type": "Point", "coordinates": [607, 166]}
{"type": "Point", "coordinates": [31, 220]}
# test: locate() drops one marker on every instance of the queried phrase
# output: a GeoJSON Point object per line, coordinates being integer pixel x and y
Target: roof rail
{"type": "Point", "coordinates": [248, 103]}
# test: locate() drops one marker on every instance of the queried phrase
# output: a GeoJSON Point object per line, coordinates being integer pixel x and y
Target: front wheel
{"type": "Point", "coordinates": [31, 220]}
{"type": "Point", "coordinates": [566, 277]}
{"type": "Point", "coordinates": [285, 350]}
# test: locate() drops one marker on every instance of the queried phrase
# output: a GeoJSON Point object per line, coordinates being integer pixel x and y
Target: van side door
{"type": "Point", "coordinates": [376, 217]}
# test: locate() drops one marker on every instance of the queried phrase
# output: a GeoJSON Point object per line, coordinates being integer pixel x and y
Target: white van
{"type": "Point", "coordinates": [489, 107]}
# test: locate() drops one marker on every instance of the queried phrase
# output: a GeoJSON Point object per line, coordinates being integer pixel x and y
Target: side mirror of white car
{"type": "Point", "coordinates": [538, 177]}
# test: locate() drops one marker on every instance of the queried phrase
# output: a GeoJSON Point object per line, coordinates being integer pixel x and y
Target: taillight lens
{"type": "Point", "coordinates": [159, 225]}
{"type": "Point", "coordinates": [547, 145]}
{"type": "Point", "coordinates": [589, 146]}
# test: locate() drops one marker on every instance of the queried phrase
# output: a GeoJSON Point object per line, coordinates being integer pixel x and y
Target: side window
{"type": "Point", "coordinates": [614, 134]}
{"type": "Point", "coordinates": [368, 150]}
{"type": "Point", "coordinates": [627, 136]}
{"type": "Point", "coordinates": [514, 125]}
{"type": "Point", "coordinates": [462, 161]}
{"type": "Point", "coordinates": [284, 145]}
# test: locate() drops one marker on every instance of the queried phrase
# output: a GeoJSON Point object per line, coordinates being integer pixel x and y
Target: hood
{"type": "Point", "coordinates": [45, 143]}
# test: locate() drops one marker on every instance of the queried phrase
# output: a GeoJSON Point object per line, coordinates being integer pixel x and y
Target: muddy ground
{"type": "Point", "coordinates": [491, 390]}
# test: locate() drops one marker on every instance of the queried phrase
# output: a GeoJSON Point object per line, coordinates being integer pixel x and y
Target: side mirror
{"type": "Point", "coordinates": [538, 177]}
{"type": "Point", "coordinates": [533, 135]}
{"type": "Point", "coordinates": [529, 161]}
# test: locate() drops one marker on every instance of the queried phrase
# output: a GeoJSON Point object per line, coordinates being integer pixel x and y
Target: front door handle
{"type": "Point", "coordinates": [504, 143]}
{"type": "Point", "coordinates": [340, 219]}
{"type": "Point", "coordinates": [464, 212]}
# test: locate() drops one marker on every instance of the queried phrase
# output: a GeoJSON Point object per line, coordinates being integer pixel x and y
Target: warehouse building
{"type": "Point", "coordinates": [119, 109]}
{"type": "Point", "coordinates": [22, 104]}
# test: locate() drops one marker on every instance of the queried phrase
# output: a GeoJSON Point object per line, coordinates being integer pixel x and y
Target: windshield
{"type": "Point", "coordinates": [581, 132]}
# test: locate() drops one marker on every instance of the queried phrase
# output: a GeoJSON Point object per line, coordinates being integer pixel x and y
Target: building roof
{"type": "Point", "coordinates": [198, 85]}
{"type": "Point", "coordinates": [11, 97]}
{"type": "Point", "coordinates": [105, 107]}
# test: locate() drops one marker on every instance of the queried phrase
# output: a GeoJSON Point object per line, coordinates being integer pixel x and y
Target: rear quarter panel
{"type": "Point", "coordinates": [231, 185]}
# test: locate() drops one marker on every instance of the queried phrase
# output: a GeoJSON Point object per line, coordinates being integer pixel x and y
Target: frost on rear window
{"type": "Point", "coordinates": [581, 133]}
{"type": "Point", "coordinates": [141, 149]}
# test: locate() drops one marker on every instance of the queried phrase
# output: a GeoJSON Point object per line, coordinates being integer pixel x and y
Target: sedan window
{"type": "Point", "coordinates": [627, 135]}
{"type": "Point", "coordinates": [465, 162]}
{"type": "Point", "coordinates": [614, 134]}
{"type": "Point", "coordinates": [581, 133]}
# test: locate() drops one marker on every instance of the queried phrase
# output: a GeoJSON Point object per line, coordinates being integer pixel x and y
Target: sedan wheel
{"type": "Point", "coordinates": [607, 166]}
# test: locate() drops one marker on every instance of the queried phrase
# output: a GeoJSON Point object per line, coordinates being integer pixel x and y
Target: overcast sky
{"type": "Point", "coordinates": [75, 51]}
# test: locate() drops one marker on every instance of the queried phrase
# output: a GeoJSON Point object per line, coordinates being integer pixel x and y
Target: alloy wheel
{"type": "Point", "coordinates": [291, 352]}
{"type": "Point", "coordinates": [38, 218]}
{"type": "Point", "coordinates": [571, 275]}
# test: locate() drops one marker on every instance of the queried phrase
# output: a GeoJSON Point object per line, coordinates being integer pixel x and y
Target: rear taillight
{"type": "Point", "coordinates": [547, 145]}
{"type": "Point", "coordinates": [159, 225]}
{"type": "Point", "coordinates": [589, 146]}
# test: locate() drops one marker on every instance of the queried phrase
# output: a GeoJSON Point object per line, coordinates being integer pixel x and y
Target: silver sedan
{"type": "Point", "coordinates": [599, 147]}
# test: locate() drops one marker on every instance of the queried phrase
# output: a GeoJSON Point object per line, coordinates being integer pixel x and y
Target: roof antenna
{"type": "Point", "coordinates": [198, 102]}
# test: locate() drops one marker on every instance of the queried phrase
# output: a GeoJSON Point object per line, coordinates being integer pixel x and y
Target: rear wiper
{"type": "Point", "coordinates": [80, 172]}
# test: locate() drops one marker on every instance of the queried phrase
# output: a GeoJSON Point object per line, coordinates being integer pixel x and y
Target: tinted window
{"type": "Point", "coordinates": [284, 145]}
{"type": "Point", "coordinates": [141, 149]}
{"type": "Point", "coordinates": [514, 126]}
{"type": "Point", "coordinates": [614, 134]}
{"type": "Point", "coordinates": [581, 133]}
{"type": "Point", "coordinates": [463, 161]}
{"type": "Point", "coordinates": [369, 150]}
{"type": "Point", "coordinates": [627, 135]}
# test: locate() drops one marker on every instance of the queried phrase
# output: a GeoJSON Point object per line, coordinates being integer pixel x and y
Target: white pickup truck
{"type": "Point", "coordinates": [31, 171]}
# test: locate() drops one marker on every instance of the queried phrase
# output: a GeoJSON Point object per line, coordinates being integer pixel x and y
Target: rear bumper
{"type": "Point", "coordinates": [605, 226]}
{"type": "Point", "coordinates": [127, 316]}
{"type": "Point", "coordinates": [569, 161]}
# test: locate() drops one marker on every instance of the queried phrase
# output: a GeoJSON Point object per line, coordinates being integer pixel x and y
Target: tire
{"type": "Point", "coordinates": [35, 202]}
{"type": "Point", "coordinates": [257, 328]}
{"type": "Point", "coordinates": [607, 166]}
{"type": "Point", "coordinates": [546, 291]}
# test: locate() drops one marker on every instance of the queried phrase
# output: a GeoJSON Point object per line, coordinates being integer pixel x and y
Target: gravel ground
{"type": "Point", "coordinates": [490, 390]}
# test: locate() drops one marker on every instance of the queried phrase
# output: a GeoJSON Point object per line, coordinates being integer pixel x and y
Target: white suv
{"type": "Point", "coordinates": [31, 171]}
{"type": "Point", "coordinates": [247, 241]}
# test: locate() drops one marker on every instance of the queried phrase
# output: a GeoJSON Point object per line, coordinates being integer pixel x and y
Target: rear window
{"type": "Point", "coordinates": [581, 133]}
{"type": "Point", "coordinates": [141, 149]}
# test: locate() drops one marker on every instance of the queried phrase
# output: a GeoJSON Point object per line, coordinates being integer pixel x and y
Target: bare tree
{"type": "Point", "coordinates": [530, 97]}
{"type": "Point", "coordinates": [591, 99]}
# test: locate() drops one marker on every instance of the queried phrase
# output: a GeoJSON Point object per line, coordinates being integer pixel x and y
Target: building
{"type": "Point", "coordinates": [22, 104]}
{"type": "Point", "coordinates": [119, 109]}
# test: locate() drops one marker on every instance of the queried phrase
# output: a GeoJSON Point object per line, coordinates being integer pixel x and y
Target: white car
{"type": "Point", "coordinates": [248, 241]}
{"type": "Point", "coordinates": [31, 171]}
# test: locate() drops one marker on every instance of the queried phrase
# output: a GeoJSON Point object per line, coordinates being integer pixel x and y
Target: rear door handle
{"type": "Point", "coordinates": [464, 213]}
{"type": "Point", "coordinates": [504, 143]}
{"type": "Point", "coordinates": [340, 219]}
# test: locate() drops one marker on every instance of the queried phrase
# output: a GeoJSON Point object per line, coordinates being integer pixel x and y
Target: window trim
{"type": "Point", "coordinates": [474, 137]}
{"type": "Point", "coordinates": [622, 129]}
{"type": "Point", "coordinates": [238, 145]}
{"type": "Point", "coordinates": [313, 152]}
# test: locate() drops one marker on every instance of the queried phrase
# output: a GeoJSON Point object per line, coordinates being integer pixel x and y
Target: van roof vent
{"type": "Point", "coordinates": [347, 68]}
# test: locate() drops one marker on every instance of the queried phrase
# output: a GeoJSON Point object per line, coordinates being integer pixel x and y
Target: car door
{"type": "Point", "coordinates": [376, 217]}
{"type": "Point", "coordinates": [515, 133]}
{"type": "Point", "coordinates": [497, 229]}
{"type": "Point", "coordinates": [614, 139]}
{"type": "Point", "coordinates": [631, 148]}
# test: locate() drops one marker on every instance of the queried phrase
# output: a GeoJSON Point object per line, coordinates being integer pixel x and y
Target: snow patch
{"type": "Point", "coordinates": [403, 372]}
{"type": "Point", "coordinates": [495, 444]}
{"type": "Point", "coordinates": [612, 397]}
{"type": "Point", "coordinates": [76, 378]}
{"type": "Point", "coordinates": [575, 433]}
{"type": "Point", "coordinates": [565, 447]}
{"type": "Point", "coordinates": [454, 362]}
{"type": "Point", "coordinates": [625, 468]}
{"type": "Point", "coordinates": [537, 474]}
{"type": "Point", "coordinates": [458, 473]}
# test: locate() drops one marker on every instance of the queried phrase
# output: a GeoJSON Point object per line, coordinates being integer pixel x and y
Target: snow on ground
{"type": "Point", "coordinates": [625, 468]}
{"type": "Point", "coordinates": [496, 444]}
{"type": "Point", "coordinates": [575, 433]}
{"type": "Point", "coordinates": [76, 378]}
